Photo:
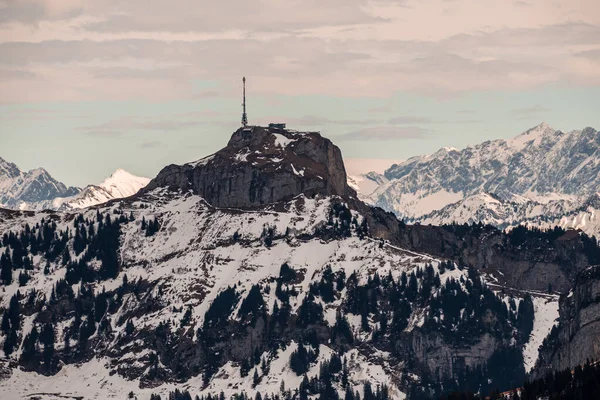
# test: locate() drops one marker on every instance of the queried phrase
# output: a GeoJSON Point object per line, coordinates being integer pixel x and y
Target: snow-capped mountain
{"type": "Point", "coordinates": [37, 190]}
{"type": "Point", "coordinates": [18, 187]}
{"type": "Point", "coordinates": [541, 165]}
{"type": "Point", "coordinates": [490, 209]}
{"type": "Point", "coordinates": [119, 185]}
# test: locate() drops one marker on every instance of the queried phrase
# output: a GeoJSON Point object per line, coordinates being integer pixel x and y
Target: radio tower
{"type": "Point", "coordinates": [244, 116]}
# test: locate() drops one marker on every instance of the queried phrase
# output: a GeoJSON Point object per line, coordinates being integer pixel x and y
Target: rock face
{"type": "Point", "coordinates": [577, 336]}
{"type": "Point", "coordinates": [262, 166]}
{"type": "Point", "coordinates": [528, 263]}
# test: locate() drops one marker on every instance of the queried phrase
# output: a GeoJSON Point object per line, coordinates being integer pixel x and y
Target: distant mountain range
{"type": "Point", "coordinates": [542, 177]}
{"type": "Point", "coordinates": [18, 187]}
{"type": "Point", "coordinates": [38, 190]}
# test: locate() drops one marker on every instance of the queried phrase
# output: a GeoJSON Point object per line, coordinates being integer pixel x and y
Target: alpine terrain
{"type": "Point", "coordinates": [37, 190]}
{"type": "Point", "coordinates": [18, 187]}
{"type": "Point", "coordinates": [543, 178]}
{"type": "Point", "coordinates": [257, 272]}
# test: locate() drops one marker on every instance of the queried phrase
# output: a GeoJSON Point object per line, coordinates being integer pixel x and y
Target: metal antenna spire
{"type": "Point", "coordinates": [244, 116]}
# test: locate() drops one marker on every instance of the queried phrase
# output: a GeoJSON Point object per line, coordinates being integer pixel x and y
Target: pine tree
{"type": "Point", "coordinates": [6, 268]}
{"type": "Point", "coordinates": [47, 338]}
{"type": "Point", "coordinates": [30, 346]}
{"type": "Point", "coordinates": [23, 278]}
{"type": "Point", "coordinates": [129, 328]}
{"type": "Point", "coordinates": [255, 378]}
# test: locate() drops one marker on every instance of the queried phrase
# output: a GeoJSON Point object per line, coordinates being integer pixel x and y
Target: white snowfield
{"type": "Point", "coordinates": [192, 258]}
{"type": "Point", "coordinates": [546, 317]}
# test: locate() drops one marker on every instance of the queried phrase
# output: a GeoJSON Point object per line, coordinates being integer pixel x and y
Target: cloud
{"type": "Point", "coordinates": [386, 133]}
{"type": "Point", "coordinates": [314, 121]}
{"type": "Point", "coordinates": [123, 125]}
{"type": "Point", "coordinates": [380, 109]}
{"type": "Point", "coordinates": [593, 54]}
{"type": "Point", "coordinates": [32, 11]}
{"type": "Point", "coordinates": [409, 120]}
{"type": "Point", "coordinates": [405, 120]}
{"type": "Point", "coordinates": [16, 74]}
{"type": "Point", "coordinates": [529, 111]}
{"type": "Point", "coordinates": [71, 50]}
{"type": "Point", "coordinates": [356, 166]}
{"type": "Point", "coordinates": [150, 144]}
{"type": "Point", "coordinates": [191, 15]}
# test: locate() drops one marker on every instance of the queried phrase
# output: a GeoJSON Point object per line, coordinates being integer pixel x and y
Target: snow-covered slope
{"type": "Point", "coordinates": [18, 187]}
{"type": "Point", "coordinates": [192, 258]}
{"type": "Point", "coordinates": [198, 253]}
{"type": "Point", "coordinates": [546, 317]}
{"type": "Point", "coordinates": [541, 166]}
{"type": "Point", "coordinates": [505, 213]}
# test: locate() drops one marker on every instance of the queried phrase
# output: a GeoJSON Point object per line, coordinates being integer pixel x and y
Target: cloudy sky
{"type": "Point", "coordinates": [90, 86]}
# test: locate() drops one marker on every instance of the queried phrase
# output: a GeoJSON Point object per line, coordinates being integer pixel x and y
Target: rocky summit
{"type": "Point", "coordinates": [262, 166]}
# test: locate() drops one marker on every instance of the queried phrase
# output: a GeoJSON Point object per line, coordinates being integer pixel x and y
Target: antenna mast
{"type": "Point", "coordinates": [244, 116]}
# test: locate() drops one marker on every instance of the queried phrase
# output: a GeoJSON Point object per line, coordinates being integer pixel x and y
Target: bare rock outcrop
{"type": "Point", "coordinates": [262, 166]}
{"type": "Point", "coordinates": [576, 339]}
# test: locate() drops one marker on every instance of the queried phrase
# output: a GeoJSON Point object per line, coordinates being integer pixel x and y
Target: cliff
{"type": "Point", "coordinates": [262, 166]}
{"type": "Point", "coordinates": [577, 336]}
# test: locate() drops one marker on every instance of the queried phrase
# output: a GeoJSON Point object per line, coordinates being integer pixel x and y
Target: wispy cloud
{"type": "Point", "coordinates": [530, 111]}
{"type": "Point", "coordinates": [404, 120]}
{"type": "Point", "coordinates": [411, 120]}
{"type": "Point", "coordinates": [150, 144]}
{"type": "Point", "coordinates": [123, 125]}
{"type": "Point", "coordinates": [593, 54]}
{"type": "Point", "coordinates": [349, 48]}
{"type": "Point", "coordinates": [380, 109]}
{"type": "Point", "coordinates": [315, 121]}
{"type": "Point", "coordinates": [387, 133]}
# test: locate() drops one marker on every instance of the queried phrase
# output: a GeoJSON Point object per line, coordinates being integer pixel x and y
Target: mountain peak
{"type": "Point", "coordinates": [535, 135]}
{"type": "Point", "coordinates": [260, 166]}
{"type": "Point", "coordinates": [539, 129]}
{"type": "Point", "coordinates": [123, 184]}
{"type": "Point", "coordinates": [37, 185]}
{"type": "Point", "coordinates": [120, 172]}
